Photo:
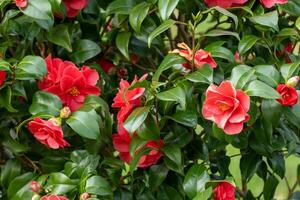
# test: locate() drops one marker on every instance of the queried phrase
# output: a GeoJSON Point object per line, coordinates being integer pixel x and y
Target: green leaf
{"type": "Point", "coordinates": [204, 195]}
{"type": "Point", "coordinates": [149, 130]}
{"type": "Point", "coordinates": [120, 7]}
{"type": "Point", "coordinates": [5, 99]}
{"type": "Point", "coordinates": [160, 29]}
{"type": "Point", "coordinates": [18, 188]}
{"type": "Point", "coordinates": [135, 161]}
{"type": "Point", "coordinates": [271, 110]}
{"type": "Point", "coordinates": [268, 19]}
{"type": "Point", "coordinates": [247, 43]}
{"type": "Point", "coordinates": [173, 158]}
{"type": "Point", "coordinates": [59, 183]}
{"type": "Point", "coordinates": [221, 32]}
{"type": "Point", "coordinates": [268, 74]}
{"type": "Point", "coordinates": [202, 75]}
{"type": "Point", "coordinates": [157, 174]}
{"type": "Point", "coordinates": [226, 13]}
{"type": "Point", "coordinates": [241, 75]}
{"type": "Point", "coordinates": [176, 94]}
{"type": "Point", "coordinates": [292, 7]}
{"type": "Point", "coordinates": [98, 185]}
{"type": "Point", "coordinates": [292, 114]}
{"type": "Point", "coordinates": [135, 119]}
{"type": "Point", "coordinates": [166, 7]}
{"type": "Point", "coordinates": [84, 50]}
{"type": "Point", "coordinates": [260, 89]}
{"type": "Point", "coordinates": [187, 118]}
{"type": "Point", "coordinates": [277, 163]}
{"type": "Point", "coordinates": [249, 163]}
{"type": "Point", "coordinates": [85, 124]}
{"type": "Point", "coordinates": [169, 61]}
{"type": "Point", "coordinates": [5, 66]}
{"type": "Point", "coordinates": [289, 70]}
{"type": "Point", "coordinates": [45, 103]}
{"type": "Point", "coordinates": [297, 23]}
{"type": "Point", "coordinates": [270, 187]}
{"type": "Point", "coordinates": [122, 42]}
{"type": "Point", "coordinates": [9, 171]}
{"type": "Point", "coordinates": [60, 35]}
{"type": "Point", "coordinates": [40, 10]}
{"type": "Point", "coordinates": [195, 180]}
{"type": "Point", "coordinates": [137, 16]}
{"type": "Point", "coordinates": [220, 52]}
{"type": "Point", "coordinates": [31, 67]}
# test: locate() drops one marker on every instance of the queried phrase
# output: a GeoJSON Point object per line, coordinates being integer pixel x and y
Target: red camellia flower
{"type": "Point", "coordinates": [106, 65]}
{"type": "Point", "coordinates": [127, 99]}
{"type": "Point", "coordinates": [227, 107]}
{"type": "Point", "coordinates": [271, 3]}
{"type": "Point", "coordinates": [74, 6]}
{"type": "Point", "coordinates": [289, 95]}
{"type": "Point", "coordinates": [224, 191]}
{"type": "Point", "coordinates": [53, 197]}
{"type": "Point", "coordinates": [121, 142]}
{"type": "Point", "coordinates": [225, 3]}
{"type": "Point", "coordinates": [201, 57]}
{"type": "Point", "coordinates": [2, 77]}
{"type": "Point", "coordinates": [21, 3]}
{"type": "Point", "coordinates": [48, 133]}
{"type": "Point", "coordinates": [72, 85]}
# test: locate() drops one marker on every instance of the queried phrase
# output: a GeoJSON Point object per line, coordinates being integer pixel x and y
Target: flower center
{"type": "Point", "coordinates": [223, 107]}
{"type": "Point", "coordinates": [74, 92]}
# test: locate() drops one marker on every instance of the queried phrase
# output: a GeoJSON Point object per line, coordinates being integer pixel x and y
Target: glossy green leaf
{"type": "Point", "coordinates": [5, 99]}
{"type": "Point", "coordinates": [241, 75]}
{"type": "Point", "coordinates": [289, 70]}
{"type": "Point", "coordinates": [160, 29]}
{"type": "Point", "coordinates": [166, 7]}
{"type": "Point", "coordinates": [45, 103]}
{"type": "Point", "coordinates": [9, 171]}
{"type": "Point", "coordinates": [149, 130]}
{"type": "Point", "coordinates": [122, 43]}
{"type": "Point", "coordinates": [98, 185]}
{"type": "Point", "coordinates": [269, 19]}
{"type": "Point", "coordinates": [176, 94]}
{"type": "Point", "coordinates": [19, 188]}
{"type": "Point", "coordinates": [39, 10]}
{"type": "Point", "coordinates": [60, 35]}
{"type": "Point", "coordinates": [120, 7]}
{"type": "Point", "coordinates": [31, 67]}
{"type": "Point", "coordinates": [270, 187]}
{"type": "Point", "coordinates": [249, 163]}
{"type": "Point", "coordinates": [173, 158]}
{"type": "Point", "coordinates": [260, 89]}
{"type": "Point", "coordinates": [268, 74]}
{"type": "Point", "coordinates": [195, 180]}
{"type": "Point", "coordinates": [137, 16]}
{"type": "Point", "coordinates": [84, 50]}
{"type": "Point", "coordinates": [135, 119]}
{"type": "Point", "coordinates": [85, 124]}
{"type": "Point", "coordinates": [247, 43]}
{"type": "Point", "coordinates": [202, 75]}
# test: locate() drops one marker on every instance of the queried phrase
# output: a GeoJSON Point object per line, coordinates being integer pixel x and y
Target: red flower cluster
{"type": "Point", "coordinates": [2, 77]}
{"type": "Point", "coordinates": [72, 85]}
{"type": "Point", "coordinates": [127, 100]}
{"type": "Point", "coordinates": [74, 6]}
{"type": "Point", "coordinates": [227, 107]}
{"type": "Point", "coordinates": [224, 191]}
{"type": "Point", "coordinates": [54, 197]}
{"type": "Point", "coordinates": [235, 3]}
{"type": "Point", "coordinates": [48, 133]}
{"type": "Point", "coordinates": [21, 3]}
{"type": "Point", "coordinates": [201, 57]}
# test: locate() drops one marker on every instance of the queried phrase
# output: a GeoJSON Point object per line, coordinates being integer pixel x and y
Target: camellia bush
{"type": "Point", "coordinates": [145, 99]}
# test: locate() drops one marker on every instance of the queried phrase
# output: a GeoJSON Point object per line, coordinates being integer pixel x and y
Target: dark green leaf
{"type": "Point", "coordinates": [45, 103]}
{"type": "Point", "coordinates": [84, 50]}
{"type": "Point", "coordinates": [166, 7]}
{"type": "Point", "coordinates": [135, 119]}
{"type": "Point", "coordinates": [269, 19]}
{"type": "Point", "coordinates": [247, 43]}
{"type": "Point", "coordinates": [270, 187]}
{"type": "Point", "coordinates": [202, 75]}
{"type": "Point", "coordinates": [122, 42]}
{"type": "Point", "coordinates": [31, 67]}
{"type": "Point", "coordinates": [60, 35]}
{"type": "Point", "coordinates": [160, 29]}
{"type": "Point", "coordinates": [260, 89]}
{"type": "Point", "coordinates": [137, 16]}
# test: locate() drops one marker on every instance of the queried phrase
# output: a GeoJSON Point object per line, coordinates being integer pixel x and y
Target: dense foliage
{"type": "Point", "coordinates": [140, 99]}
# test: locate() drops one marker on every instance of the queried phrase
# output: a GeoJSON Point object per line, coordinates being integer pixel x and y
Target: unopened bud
{"type": "Point", "coordinates": [35, 186]}
{"type": "Point", "coordinates": [293, 81]}
{"type": "Point", "coordinates": [84, 196]}
{"type": "Point", "coordinates": [237, 57]}
{"type": "Point", "coordinates": [55, 121]}
{"type": "Point", "coordinates": [65, 112]}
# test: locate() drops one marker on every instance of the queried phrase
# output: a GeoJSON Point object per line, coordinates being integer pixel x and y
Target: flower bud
{"type": "Point", "coordinates": [35, 186]}
{"type": "Point", "coordinates": [55, 121]}
{"type": "Point", "coordinates": [84, 196]}
{"type": "Point", "coordinates": [293, 81]}
{"type": "Point", "coordinates": [65, 112]}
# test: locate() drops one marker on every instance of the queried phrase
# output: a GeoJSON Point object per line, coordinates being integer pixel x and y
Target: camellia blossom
{"type": "Point", "coordinates": [74, 6]}
{"type": "Point", "coordinates": [2, 77]}
{"type": "Point", "coordinates": [68, 82]}
{"type": "Point", "coordinates": [48, 133]}
{"type": "Point", "coordinates": [21, 3]}
{"type": "Point", "coordinates": [227, 107]}
{"type": "Point", "coordinates": [225, 3]}
{"type": "Point", "coordinates": [289, 95]}
{"type": "Point", "coordinates": [54, 197]}
{"type": "Point", "coordinates": [121, 142]}
{"type": "Point", "coordinates": [201, 57]}
{"type": "Point", "coordinates": [224, 191]}
{"type": "Point", "coordinates": [271, 3]}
